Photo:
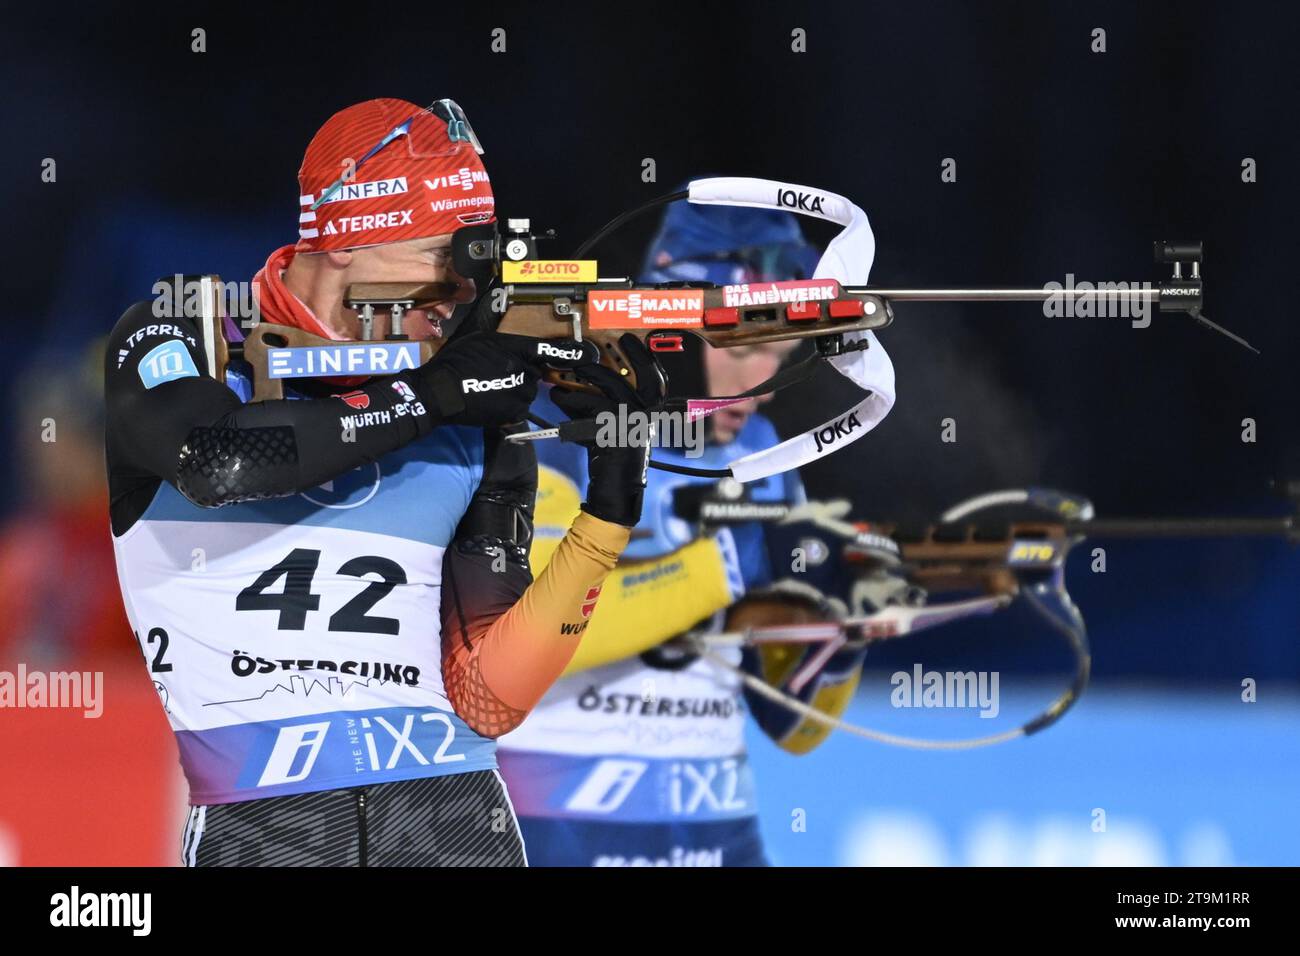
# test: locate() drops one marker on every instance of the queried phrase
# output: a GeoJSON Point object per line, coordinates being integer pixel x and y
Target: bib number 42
{"type": "Point", "coordinates": [295, 598]}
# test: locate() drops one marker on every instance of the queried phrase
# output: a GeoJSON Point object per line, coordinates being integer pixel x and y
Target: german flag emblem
{"type": "Point", "coordinates": [589, 603]}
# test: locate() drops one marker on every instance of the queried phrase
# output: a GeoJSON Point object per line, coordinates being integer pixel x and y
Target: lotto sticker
{"type": "Point", "coordinates": [646, 309]}
{"type": "Point", "coordinates": [549, 270]}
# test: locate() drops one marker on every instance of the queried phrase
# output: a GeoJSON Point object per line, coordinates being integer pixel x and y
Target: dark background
{"type": "Point", "coordinates": [1067, 161]}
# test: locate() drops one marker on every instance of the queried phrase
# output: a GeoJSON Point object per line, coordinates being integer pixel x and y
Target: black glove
{"type": "Point", "coordinates": [486, 378]}
{"type": "Point", "coordinates": [818, 545]}
{"type": "Point", "coordinates": [616, 472]}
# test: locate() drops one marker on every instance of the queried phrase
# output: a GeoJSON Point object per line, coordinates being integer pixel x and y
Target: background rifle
{"type": "Point", "coordinates": [996, 561]}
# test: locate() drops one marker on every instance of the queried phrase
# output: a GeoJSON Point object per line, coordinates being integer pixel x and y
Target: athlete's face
{"type": "Point", "coordinates": [730, 371]}
{"type": "Point", "coordinates": [415, 260]}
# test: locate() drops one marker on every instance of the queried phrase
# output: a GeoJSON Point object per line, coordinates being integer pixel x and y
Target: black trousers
{"type": "Point", "coordinates": [462, 819]}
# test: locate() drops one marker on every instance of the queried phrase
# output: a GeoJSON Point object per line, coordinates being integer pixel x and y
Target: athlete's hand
{"type": "Point", "coordinates": [487, 378]}
{"type": "Point", "coordinates": [847, 560]}
{"type": "Point", "coordinates": [616, 468]}
{"type": "Point", "coordinates": [808, 671]}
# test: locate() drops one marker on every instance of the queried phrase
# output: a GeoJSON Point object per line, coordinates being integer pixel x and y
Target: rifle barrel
{"type": "Point", "coordinates": [1185, 527]}
{"type": "Point", "coordinates": [1005, 295]}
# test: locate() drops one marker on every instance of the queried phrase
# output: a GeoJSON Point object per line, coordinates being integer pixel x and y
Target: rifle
{"type": "Point", "coordinates": [997, 561]}
{"type": "Point", "coordinates": [523, 294]}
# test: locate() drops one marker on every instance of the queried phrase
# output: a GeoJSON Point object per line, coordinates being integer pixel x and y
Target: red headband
{"type": "Point", "coordinates": [421, 184]}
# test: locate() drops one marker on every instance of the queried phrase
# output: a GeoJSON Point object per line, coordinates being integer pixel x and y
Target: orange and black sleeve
{"type": "Point", "coordinates": [506, 638]}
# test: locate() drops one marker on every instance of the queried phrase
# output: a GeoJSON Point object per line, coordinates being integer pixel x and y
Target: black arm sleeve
{"type": "Point", "coordinates": [168, 420]}
{"type": "Point", "coordinates": [489, 553]}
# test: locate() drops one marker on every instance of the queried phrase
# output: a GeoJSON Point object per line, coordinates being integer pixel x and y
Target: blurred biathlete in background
{"type": "Point", "coordinates": [637, 756]}
{"type": "Point", "coordinates": [331, 591]}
